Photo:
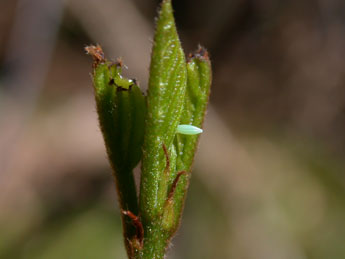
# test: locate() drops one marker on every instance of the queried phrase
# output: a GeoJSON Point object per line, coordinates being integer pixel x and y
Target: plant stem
{"type": "Point", "coordinates": [155, 242]}
{"type": "Point", "coordinates": [127, 198]}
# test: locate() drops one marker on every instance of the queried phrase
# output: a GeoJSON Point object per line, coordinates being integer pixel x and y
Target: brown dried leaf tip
{"type": "Point", "coordinates": [119, 62]}
{"type": "Point", "coordinates": [96, 52]}
{"type": "Point", "coordinates": [200, 53]}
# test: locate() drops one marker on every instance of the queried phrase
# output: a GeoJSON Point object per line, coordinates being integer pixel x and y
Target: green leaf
{"type": "Point", "coordinates": [198, 90]}
{"type": "Point", "coordinates": [121, 111]}
{"type": "Point", "coordinates": [165, 101]}
{"type": "Point", "coordinates": [196, 100]}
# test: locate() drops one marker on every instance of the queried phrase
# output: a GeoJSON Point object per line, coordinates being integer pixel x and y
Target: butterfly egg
{"type": "Point", "coordinates": [188, 130]}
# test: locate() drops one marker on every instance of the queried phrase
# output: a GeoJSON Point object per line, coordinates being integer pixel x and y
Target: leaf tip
{"type": "Point", "coordinates": [96, 52]}
{"type": "Point", "coordinates": [200, 53]}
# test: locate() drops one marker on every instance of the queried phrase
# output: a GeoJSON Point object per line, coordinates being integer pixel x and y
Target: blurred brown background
{"type": "Point", "coordinates": [269, 177]}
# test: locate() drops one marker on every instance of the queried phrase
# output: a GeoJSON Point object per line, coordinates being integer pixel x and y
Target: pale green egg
{"type": "Point", "coordinates": [188, 129]}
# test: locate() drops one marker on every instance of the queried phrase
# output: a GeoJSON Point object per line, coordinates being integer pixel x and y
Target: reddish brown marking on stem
{"type": "Point", "coordinates": [174, 185]}
{"type": "Point", "coordinates": [138, 225]}
{"type": "Point", "coordinates": [167, 167]}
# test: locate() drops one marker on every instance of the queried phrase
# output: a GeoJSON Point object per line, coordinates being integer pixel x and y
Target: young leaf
{"type": "Point", "coordinates": [165, 101]}
{"type": "Point", "coordinates": [121, 111]}
{"type": "Point", "coordinates": [196, 100]}
{"type": "Point", "coordinates": [199, 77]}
